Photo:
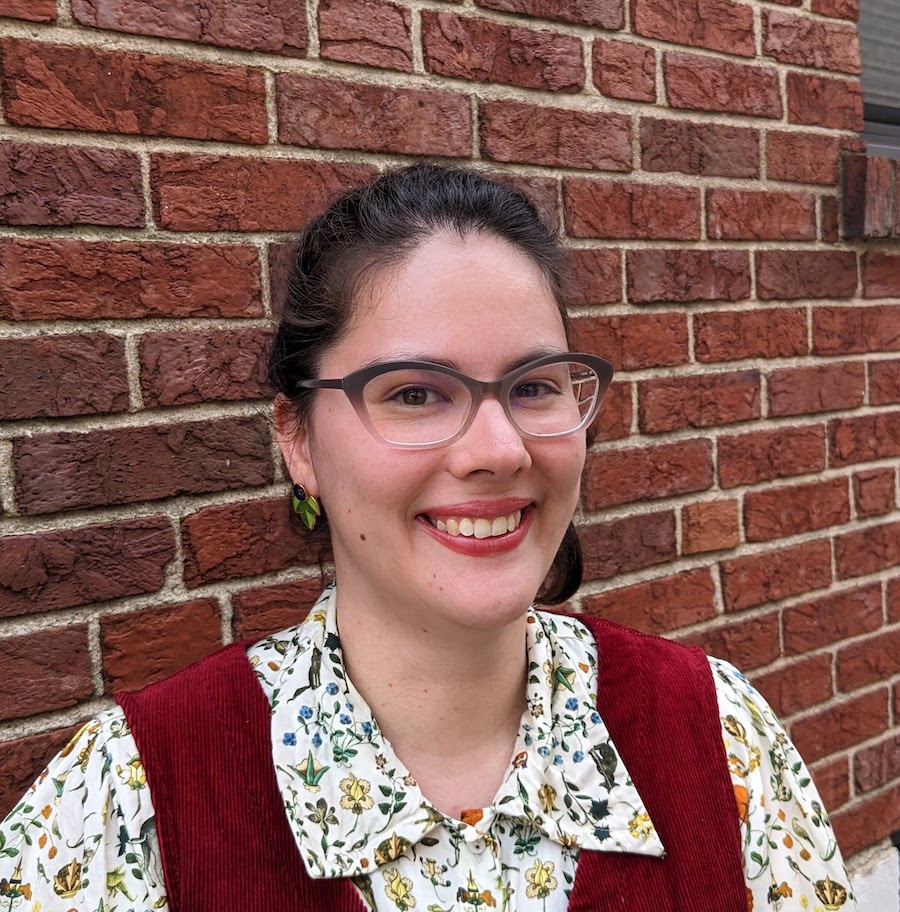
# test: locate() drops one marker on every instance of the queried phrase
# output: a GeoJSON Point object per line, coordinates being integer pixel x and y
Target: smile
{"type": "Point", "coordinates": [479, 527]}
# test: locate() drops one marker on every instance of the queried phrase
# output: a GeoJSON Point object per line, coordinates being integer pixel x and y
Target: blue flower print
{"type": "Point", "coordinates": [601, 832]}
{"type": "Point", "coordinates": [544, 751]}
{"type": "Point", "coordinates": [306, 712]}
{"type": "Point", "coordinates": [349, 707]}
{"type": "Point", "coordinates": [595, 718]}
{"type": "Point", "coordinates": [345, 719]}
{"type": "Point", "coordinates": [316, 741]}
{"type": "Point", "coordinates": [367, 728]}
{"type": "Point", "coordinates": [572, 703]}
{"type": "Point", "coordinates": [557, 760]}
{"type": "Point", "coordinates": [528, 740]}
{"type": "Point", "coordinates": [290, 739]}
{"type": "Point", "coordinates": [577, 757]}
{"type": "Point", "coordinates": [331, 688]}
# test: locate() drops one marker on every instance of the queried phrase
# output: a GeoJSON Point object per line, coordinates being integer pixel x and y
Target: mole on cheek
{"type": "Point", "coordinates": [362, 537]}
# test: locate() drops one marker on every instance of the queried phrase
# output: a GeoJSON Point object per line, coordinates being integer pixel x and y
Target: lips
{"type": "Point", "coordinates": [480, 528]}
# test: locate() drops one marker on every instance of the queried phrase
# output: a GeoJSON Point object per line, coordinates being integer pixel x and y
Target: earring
{"type": "Point", "coordinates": [306, 506]}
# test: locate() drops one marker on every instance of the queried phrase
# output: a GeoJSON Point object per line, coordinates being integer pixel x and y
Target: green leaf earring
{"type": "Point", "coordinates": [307, 507]}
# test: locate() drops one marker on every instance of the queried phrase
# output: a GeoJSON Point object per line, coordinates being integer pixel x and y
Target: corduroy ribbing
{"type": "Point", "coordinates": [226, 844]}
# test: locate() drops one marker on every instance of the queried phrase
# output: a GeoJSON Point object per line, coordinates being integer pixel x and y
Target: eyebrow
{"type": "Point", "coordinates": [454, 365]}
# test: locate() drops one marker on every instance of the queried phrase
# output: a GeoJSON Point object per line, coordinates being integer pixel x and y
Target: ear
{"type": "Point", "coordinates": [294, 443]}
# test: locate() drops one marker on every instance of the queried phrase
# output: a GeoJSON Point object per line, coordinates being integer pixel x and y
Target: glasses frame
{"type": "Point", "coordinates": [354, 383]}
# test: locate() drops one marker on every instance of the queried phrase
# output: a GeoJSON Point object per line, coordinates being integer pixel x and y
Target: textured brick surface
{"type": "Point", "coordinates": [845, 330]}
{"type": "Point", "coordinates": [827, 620]}
{"type": "Point", "coordinates": [841, 726]}
{"type": "Point", "coordinates": [211, 192]}
{"type": "Point", "coordinates": [614, 420]}
{"type": "Point", "coordinates": [807, 157]}
{"type": "Point", "coordinates": [876, 658]}
{"type": "Point", "coordinates": [62, 375]}
{"type": "Point", "coordinates": [712, 150]}
{"type": "Point", "coordinates": [881, 275]}
{"type": "Point", "coordinates": [853, 827]}
{"type": "Point", "coordinates": [825, 388]}
{"type": "Point", "coordinates": [818, 101]}
{"type": "Point", "coordinates": [864, 438]}
{"type": "Point", "coordinates": [259, 25]}
{"type": "Point", "coordinates": [797, 686]}
{"type": "Point", "coordinates": [733, 335]}
{"type": "Point", "coordinates": [764, 455]}
{"type": "Point", "coordinates": [873, 492]}
{"type": "Point", "coordinates": [792, 510]}
{"type": "Point", "coordinates": [747, 644]}
{"type": "Point", "coordinates": [59, 471]}
{"type": "Point", "coordinates": [634, 341]}
{"type": "Point", "coordinates": [605, 14]}
{"type": "Point", "coordinates": [478, 49]}
{"type": "Point", "coordinates": [514, 132]}
{"type": "Point", "coordinates": [707, 84]}
{"type": "Point", "coordinates": [632, 543]}
{"type": "Point", "coordinates": [867, 550]}
{"type": "Point", "coordinates": [704, 400]}
{"type": "Point", "coordinates": [334, 114]}
{"type": "Point", "coordinates": [833, 782]}
{"type": "Point", "coordinates": [877, 765]}
{"type": "Point", "coordinates": [145, 646]}
{"type": "Point", "coordinates": [884, 382]}
{"type": "Point", "coordinates": [839, 9]}
{"type": "Point", "coordinates": [69, 185]}
{"type": "Point", "coordinates": [260, 612]}
{"type": "Point", "coordinates": [79, 88]}
{"type": "Point", "coordinates": [371, 32]}
{"type": "Point", "coordinates": [810, 42]}
{"type": "Point", "coordinates": [805, 274]}
{"type": "Point", "coordinates": [735, 215]}
{"type": "Point", "coordinates": [51, 570]}
{"type": "Point", "coordinates": [595, 278]}
{"type": "Point", "coordinates": [714, 24]}
{"type": "Point", "coordinates": [681, 276]}
{"type": "Point", "coordinates": [47, 279]}
{"type": "Point", "coordinates": [623, 69]}
{"type": "Point", "coordinates": [709, 526]}
{"type": "Point", "coordinates": [660, 605]}
{"type": "Point", "coordinates": [33, 10]}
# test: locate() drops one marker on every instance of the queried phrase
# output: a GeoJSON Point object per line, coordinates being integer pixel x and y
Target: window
{"type": "Point", "coordinates": [879, 27]}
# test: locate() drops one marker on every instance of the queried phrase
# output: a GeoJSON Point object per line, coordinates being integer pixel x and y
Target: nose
{"type": "Point", "coordinates": [490, 444]}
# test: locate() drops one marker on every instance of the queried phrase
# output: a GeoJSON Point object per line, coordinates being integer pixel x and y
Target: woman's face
{"type": "Point", "coordinates": [483, 307]}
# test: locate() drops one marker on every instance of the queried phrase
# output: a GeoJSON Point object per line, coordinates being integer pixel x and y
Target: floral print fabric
{"type": "Point", "coordinates": [83, 837]}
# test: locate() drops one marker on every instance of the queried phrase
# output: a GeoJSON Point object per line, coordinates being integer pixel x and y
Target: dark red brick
{"type": "Point", "coordinates": [877, 765]}
{"type": "Point", "coordinates": [747, 644]}
{"type": "Point", "coordinates": [682, 276]}
{"type": "Point", "coordinates": [797, 686]}
{"type": "Point", "coordinates": [832, 618]}
{"type": "Point", "coordinates": [823, 388]}
{"type": "Point", "coordinates": [261, 612]}
{"type": "Point", "coordinates": [596, 277]}
{"type": "Point", "coordinates": [764, 455]}
{"type": "Point", "coordinates": [782, 511]}
{"type": "Point", "coordinates": [830, 230]}
{"type": "Point", "coordinates": [868, 821]}
{"type": "Point", "coordinates": [82, 88]}
{"type": "Point", "coordinates": [864, 438]}
{"type": "Point", "coordinates": [708, 149]}
{"type": "Point", "coordinates": [832, 781]}
{"type": "Point", "coordinates": [631, 543]}
{"type": "Point", "coordinates": [805, 41]}
{"type": "Point", "coordinates": [34, 11]}
{"type": "Point", "coordinates": [634, 341]}
{"type": "Point", "coordinates": [709, 526]}
{"type": "Point", "coordinates": [839, 727]}
{"type": "Point", "coordinates": [847, 330]}
{"type": "Point", "coordinates": [884, 382]}
{"type": "Point", "coordinates": [704, 400]}
{"type": "Point", "coordinates": [371, 32]}
{"type": "Point", "coordinates": [818, 101]}
{"type": "Point", "coordinates": [806, 157]}
{"type": "Point", "coordinates": [614, 419]}
{"type": "Point", "coordinates": [604, 14]}
{"type": "Point", "coordinates": [53, 279]}
{"type": "Point", "coordinates": [735, 335]}
{"type": "Point", "coordinates": [734, 215]}
{"type": "Point", "coordinates": [881, 275]}
{"type": "Point", "coordinates": [623, 69]}
{"type": "Point", "coordinates": [873, 492]}
{"type": "Point", "coordinates": [714, 24]}
{"type": "Point", "coordinates": [790, 274]}
{"type": "Point", "coordinates": [68, 471]}
{"type": "Point", "coordinates": [867, 550]}
{"type": "Point", "coordinates": [839, 9]}
{"type": "Point", "coordinates": [876, 658]}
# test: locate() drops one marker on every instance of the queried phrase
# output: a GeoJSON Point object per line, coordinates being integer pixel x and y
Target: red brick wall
{"type": "Point", "coordinates": [743, 490]}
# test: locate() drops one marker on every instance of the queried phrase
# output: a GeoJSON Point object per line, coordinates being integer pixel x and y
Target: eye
{"type": "Point", "coordinates": [533, 389]}
{"type": "Point", "coordinates": [413, 395]}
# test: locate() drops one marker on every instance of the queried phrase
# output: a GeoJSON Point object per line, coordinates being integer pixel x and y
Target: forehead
{"type": "Point", "coordinates": [476, 300]}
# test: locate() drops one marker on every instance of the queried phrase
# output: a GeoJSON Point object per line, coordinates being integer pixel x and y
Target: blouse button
{"type": "Point", "coordinates": [478, 846]}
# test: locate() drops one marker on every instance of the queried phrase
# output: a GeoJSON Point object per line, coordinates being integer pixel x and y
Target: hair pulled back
{"type": "Point", "coordinates": [378, 226]}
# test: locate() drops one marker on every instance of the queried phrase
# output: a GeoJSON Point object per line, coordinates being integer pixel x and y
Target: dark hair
{"type": "Point", "coordinates": [369, 228]}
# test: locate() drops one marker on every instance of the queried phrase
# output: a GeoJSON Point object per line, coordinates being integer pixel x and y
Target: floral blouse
{"type": "Point", "coordinates": [84, 838]}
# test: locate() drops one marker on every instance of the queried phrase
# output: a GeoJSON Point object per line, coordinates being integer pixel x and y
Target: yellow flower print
{"type": "Point", "coordinates": [356, 794]}
{"type": "Point", "coordinates": [68, 880]}
{"type": "Point", "coordinates": [14, 889]}
{"type": "Point", "coordinates": [311, 773]}
{"type": "Point", "coordinates": [640, 826]}
{"type": "Point", "coordinates": [398, 889]}
{"type": "Point", "coordinates": [133, 774]}
{"type": "Point", "coordinates": [547, 794]}
{"type": "Point", "coordinates": [541, 882]}
{"type": "Point", "coordinates": [832, 894]}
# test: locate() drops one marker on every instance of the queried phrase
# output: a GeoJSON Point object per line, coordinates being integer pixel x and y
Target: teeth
{"type": "Point", "coordinates": [480, 528]}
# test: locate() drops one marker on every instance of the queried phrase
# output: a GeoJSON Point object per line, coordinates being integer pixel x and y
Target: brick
{"type": "Point", "coordinates": [747, 644]}
{"type": "Point", "coordinates": [831, 210]}
{"type": "Point", "coordinates": [870, 192]}
{"type": "Point", "coordinates": [643, 473]}
{"type": "Point", "coordinates": [370, 32]}
{"type": "Point", "coordinates": [877, 765]}
{"type": "Point", "coordinates": [182, 367]}
{"type": "Point", "coordinates": [774, 575]}
{"type": "Point", "coordinates": [873, 492]}
{"type": "Point", "coordinates": [605, 14]}
{"type": "Point", "coordinates": [621, 209]}
{"type": "Point", "coordinates": [623, 69]}
{"type": "Point", "coordinates": [631, 543]}
{"type": "Point", "coordinates": [68, 471]}
{"type": "Point", "coordinates": [735, 215]}
{"type": "Point", "coordinates": [243, 539]}
{"type": "Point", "coordinates": [876, 658]}
{"type": "Point", "coordinates": [613, 422]}
{"type": "Point", "coordinates": [867, 822]}
{"type": "Point", "coordinates": [56, 375]}
{"type": "Point", "coordinates": [791, 274]}
{"type": "Point", "coordinates": [864, 438]}
{"type": "Point", "coordinates": [841, 726]}
{"type": "Point", "coordinates": [832, 618]}
{"type": "Point", "coordinates": [783, 511]}
{"type": "Point", "coordinates": [714, 24]}
{"type": "Point", "coordinates": [839, 9]}
{"type": "Point", "coordinates": [818, 101]}
{"type": "Point", "coordinates": [660, 605]}
{"type": "Point", "coordinates": [881, 275]}
{"type": "Point", "coordinates": [634, 341]}
{"type": "Point", "coordinates": [144, 646]}
{"type": "Point", "coordinates": [735, 335]}
{"type": "Point", "coordinates": [867, 550]}
{"type": "Point", "coordinates": [709, 526]}
{"type": "Point", "coordinates": [847, 330]}
{"type": "Point", "coordinates": [55, 279]}
{"type": "Point", "coordinates": [832, 781]}
{"type": "Point", "coordinates": [542, 191]}
{"type": "Point", "coordinates": [69, 185]}
{"type": "Point", "coordinates": [884, 382]}
{"type": "Point", "coordinates": [705, 400]}
{"type": "Point", "coordinates": [230, 193]}
{"type": "Point", "coordinates": [255, 25]}
{"type": "Point", "coordinates": [335, 114]}
{"type": "Point", "coordinates": [809, 158]}
{"type": "Point", "coordinates": [764, 455]}
{"type": "Point", "coordinates": [515, 132]}
{"type": "Point", "coordinates": [261, 612]}
{"type": "Point", "coordinates": [595, 277]}
{"type": "Point", "coordinates": [707, 84]}
{"type": "Point", "coordinates": [708, 149]}
{"type": "Point", "coordinates": [81, 88]}
{"type": "Point", "coordinates": [486, 51]}
{"type": "Point", "coordinates": [23, 760]}
{"type": "Point", "coordinates": [797, 686]}
{"type": "Point", "coordinates": [34, 11]}
{"type": "Point", "coordinates": [823, 388]}
{"type": "Point", "coordinates": [49, 669]}
{"type": "Point", "coordinates": [893, 603]}
{"type": "Point", "coordinates": [811, 42]}
{"type": "Point", "coordinates": [683, 276]}
{"type": "Point", "coordinates": [47, 571]}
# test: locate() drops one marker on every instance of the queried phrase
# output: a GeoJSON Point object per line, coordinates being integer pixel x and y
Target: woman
{"type": "Point", "coordinates": [425, 739]}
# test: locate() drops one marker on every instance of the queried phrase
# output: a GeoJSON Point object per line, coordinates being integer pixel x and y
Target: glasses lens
{"type": "Point", "coordinates": [555, 398]}
{"type": "Point", "coordinates": [416, 406]}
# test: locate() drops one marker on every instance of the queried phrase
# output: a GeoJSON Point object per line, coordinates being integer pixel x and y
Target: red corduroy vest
{"type": "Point", "coordinates": [226, 844]}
